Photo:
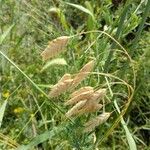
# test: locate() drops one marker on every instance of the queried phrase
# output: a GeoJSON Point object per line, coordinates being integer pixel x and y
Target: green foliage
{"type": "Point", "coordinates": [32, 120]}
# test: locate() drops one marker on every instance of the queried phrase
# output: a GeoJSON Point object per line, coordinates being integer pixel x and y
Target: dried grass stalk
{"type": "Point", "coordinates": [72, 112]}
{"type": "Point", "coordinates": [83, 73]}
{"type": "Point", "coordinates": [80, 97]}
{"type": "Point", "coordinates": [60, 87]}
{"type": "Point", "coordinates": [55, 47]}
{"type": "Point", "coordinates": [91, 124]}
{"type": "Point", "coordinates": [98, 95]}
{"type": "Point", "coordinates": [81, 90]}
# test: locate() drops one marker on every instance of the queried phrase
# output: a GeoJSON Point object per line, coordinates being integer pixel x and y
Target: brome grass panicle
{"type": "Point", "coordinates": [91, 124]}
{"type": "Point", "coordinates": [80, 97]}
{"type": "Point", "coordinates": [81, 90]}
{"type": "Point", "coordinates": [83, 73]}
{"type": "Point", "coordinates": [55, 47]}
{"type": "Point", "coordinates": [72, 112]}
{"type": "Point", "coordinates": [63, 84]}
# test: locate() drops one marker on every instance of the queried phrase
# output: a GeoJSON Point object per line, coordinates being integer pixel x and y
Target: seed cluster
{"type": "Point", "coordinates": [84, 100]}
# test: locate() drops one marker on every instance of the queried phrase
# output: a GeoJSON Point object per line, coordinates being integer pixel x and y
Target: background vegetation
{"type": "Point", "coordinates": [28, 118]}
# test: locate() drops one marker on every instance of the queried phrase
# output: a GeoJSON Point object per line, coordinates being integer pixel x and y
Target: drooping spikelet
{"type": "Point", "coordinates": [85, 107]}
{"type": "Point", "coordinates": [66, 76]}
{"type": "Point", "coordinates": [63, 84]}
{"type": "Point", "coordinates": [85, 70]}
{"type": "Point", "coordinates": [72, 112]}
{"type": "Point", "coordinates": [80, 97]}
{"type": "Point", "coordinates": [81, 90]}
{"type": "Point", "coordinates": [98, 95]}
{"type": "Point", "coordinates": [89, 107]}
{"type": "Point", "coordinates": [91, 124]}
{"type": "Point", "coordinates": [55, 47]}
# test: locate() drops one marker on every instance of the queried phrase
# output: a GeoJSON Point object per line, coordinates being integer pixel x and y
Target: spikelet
{"type": "Point", "coordinates": [89, 108]}
{"type": "Point", "coordinates": [91, 124]}
{"type": "Point", "coordinates": [72, 112]}
{"type": "Point", "coordinates": [81, 90]}
{"type": "Point", "coordinates": [55, 47]}
{"type": "Point", "coordinates": [60, 87]}
{"type": "Point", "coordinates": [66, 76]}
{"type": "Point", "coordinates": [83, 73]}
{"type": "Point", "coordinates": [98, 95]}
{"type": "Point", "coordinates": [84, 108]}
{"type": "Point", "coordinates": [80, 97]}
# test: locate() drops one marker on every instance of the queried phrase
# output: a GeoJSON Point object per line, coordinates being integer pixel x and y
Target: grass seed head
{"type": "Point", "coordinates": [81, 90]}
{"type": "Point", "coordinates": [60, 87]}
{"type": "Point", "coordinates": [89, 108]}
{"type": "Point", "coordinates": [83, 73]}
{"type": "Point", "coordinates": [74, 110]}
{"type": "Point", "coordinates": [80, 97]}
{"type": "Point", "coordinates": [65, 77]}
{"type": "Point", "coordinates": [55, 47]}
{"type": "Point", "coordinates": [91, 124]}
{"type": "Point", "coordinates": [98, 95]}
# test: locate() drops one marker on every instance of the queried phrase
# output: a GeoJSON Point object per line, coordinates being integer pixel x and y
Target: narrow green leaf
{"type": "Point", "coordinates": [2, 110]}
{"type": "Point", "coordinates": [87, 11]}
{"type": "Point", "coordinates": [131, 142]}
{"type": "Point", "coordinates": [4, 35]}
{"type": "Point", "coordinates": [40, 139]}
{"type": "Point", "coordinates": [57, 61]}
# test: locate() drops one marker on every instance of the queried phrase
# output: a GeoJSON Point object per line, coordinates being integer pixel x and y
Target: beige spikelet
{"type": "Point", "coordinates": [91, 124]}
{"type": "Point", "coordinates": [66, 76]}
{"type": "Point", "coordinates": [81, 97]}
{"type": "Point", "coordinates": [89, 108]}
{"type": "Point", "coordinates": [83, 73]}
{"type": "Point", "coordinates": [55, 47]}
{"type": "Point", "coordinates": [60, 87]}
{"type": "Point", "coordinates": [98, 95]}
{"type": "Point", "coordinates": [81, 90]}
{"type": "Point", "coordinates": [72, 112]}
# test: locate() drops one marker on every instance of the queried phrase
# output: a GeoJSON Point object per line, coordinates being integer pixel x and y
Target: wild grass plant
{"type": "Point", "coordinates": [74, 74]}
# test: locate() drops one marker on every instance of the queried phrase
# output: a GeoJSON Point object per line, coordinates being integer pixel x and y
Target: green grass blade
{"type": "Point", "coordinates": [2, 110]}
{"type": "Point", "coordinates": [81, 8]}
{"type": "Point", "coordinates": [117, 36]}
{"type": "Point", "coordinates": [137, 36]}
{"type": "Point", "coordinates": [131, 142]}
{"type": "Point", "coordinates": [4, 35]}
{"type": "Point", "coordinates": [40, 139]}
{"type": "Point", "coordinates": [34, 84]}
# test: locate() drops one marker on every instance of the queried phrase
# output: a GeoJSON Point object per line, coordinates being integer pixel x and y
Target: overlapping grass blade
{"type": "Point", "coordinates": [2, 110]}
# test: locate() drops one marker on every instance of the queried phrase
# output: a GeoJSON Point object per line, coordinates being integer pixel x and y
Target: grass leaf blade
{"type": "Point", "coordinates": [40, 139]}
{"type": "Point", "coordinates": [87, 11]}
{"type": "Point", "coordinates": [4, 35]}
{"type": "Point", "coordinates": [2, 110]}
{"type": "Point", "coordinates": [130, 139]}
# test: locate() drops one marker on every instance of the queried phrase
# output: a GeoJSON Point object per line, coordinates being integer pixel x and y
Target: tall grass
{"type": "Point", "coordinates": [101, 31]}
